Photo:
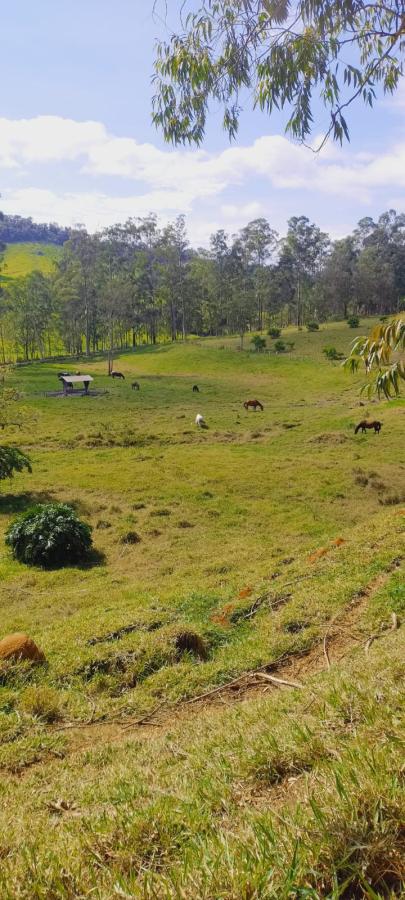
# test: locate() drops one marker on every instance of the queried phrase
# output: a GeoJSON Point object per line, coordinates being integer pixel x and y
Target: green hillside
{"type": "Point", "coordinates": [21, 259]}
{"type": "Point", "coordinates": [220, 713]}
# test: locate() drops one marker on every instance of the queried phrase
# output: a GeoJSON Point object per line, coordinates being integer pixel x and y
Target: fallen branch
{"type": "Point", "coordinates": [325, 650]}
{"type": "Point", "coordinates": [274, 680]}
{"type": "Point", "coordinates": [375, 637]}
{"type": "Point", "coordinates": [247, 675]}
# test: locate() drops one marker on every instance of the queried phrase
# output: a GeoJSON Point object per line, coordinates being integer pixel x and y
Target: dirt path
{"type": "Point", "coordinates": [341, 636]}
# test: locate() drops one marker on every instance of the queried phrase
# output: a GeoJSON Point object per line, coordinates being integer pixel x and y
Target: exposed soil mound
{"type": "Point", "coordinates": [19, 646]}
{"type": "Point", "coordinates": [190, 642]}
{"type": "Point", "coordinates": [329, 437]}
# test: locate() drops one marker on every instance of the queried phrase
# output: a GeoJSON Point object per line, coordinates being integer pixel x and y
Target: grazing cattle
{"type": "Point", "coordinates": [253, 404]}
{"type": "Point", "coordinates": [364, 425]}
{"type": "Point", "coordinates": [200, 421]}
{"type": "Point", "coordinates": [117, 375]}
{"type": "Point", "coordinates": [196, 389]}
{"type": "Point", "coordinates": [135, 386]}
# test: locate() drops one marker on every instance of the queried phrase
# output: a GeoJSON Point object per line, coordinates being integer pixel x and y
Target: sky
{"type": "Point", "coordinates": [77, 144]}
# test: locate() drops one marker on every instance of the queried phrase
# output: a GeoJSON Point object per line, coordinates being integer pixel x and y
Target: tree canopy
{"type": "Point", "coordinates": [291, 55]}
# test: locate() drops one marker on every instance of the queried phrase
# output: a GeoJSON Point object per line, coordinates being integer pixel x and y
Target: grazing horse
{"type": "Point", "coordinates": [196, 389]}
{"type": "Point", "coordinates": [254, 404]}
{"type": "Point", "coordinates": [200, 421]}
{"type": "Point", "coordinates": [135, 386]}
{"type": "Point", "coordinates": [365, 424]}
{"type": "Point", "coordinates": [117, 375]}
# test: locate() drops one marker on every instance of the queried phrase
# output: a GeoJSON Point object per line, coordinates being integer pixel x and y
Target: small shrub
{"type": "Point", "coordinates": [290, 345]}
{"type": "Point", "coordinates": [49, 535]}
{"type": "Point", "coordinates": [353, 321]}
{"type": "Point", "coordinates": [274, 332]}
{"type": "Point", "coordinates": [312, 326]}
{"type": "Point", "coordinates": [258, 342]}
{"type": "Point", "coordinates": [332, 353]}
{"type": "Point", "coordinates": [280, 346]}
{"type": "Point", "coordinates": [130, 537]}
{"type": "Point", "coordinates": [42, 702]}
{"type": "Point", "coordinates": [12, 460]}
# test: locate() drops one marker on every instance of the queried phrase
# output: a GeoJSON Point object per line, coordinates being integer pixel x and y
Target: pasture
{"type": "Point", "coordinates": [256, 535]}
{"type": "Point", "coordinates": [22, 259]}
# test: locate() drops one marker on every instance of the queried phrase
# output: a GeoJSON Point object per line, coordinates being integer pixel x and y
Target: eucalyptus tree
{"type": "Point", "coordinates": [304, 252]}
{"type": "Point", "coordinates": [78, 277]}
{"type": "Point", "coordinates": [294, 55]}
{"type": "Point", "coordinates": [259, 241]}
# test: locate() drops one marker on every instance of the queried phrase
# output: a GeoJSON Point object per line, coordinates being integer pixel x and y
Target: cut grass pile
{"type": "Point", "coordinates": [253, 537]}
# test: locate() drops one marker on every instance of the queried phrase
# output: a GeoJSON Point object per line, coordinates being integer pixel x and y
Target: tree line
{"type": "Point", "coordinates": [17, 230]}
{"type": "Point", "coordinates": [141, 283]}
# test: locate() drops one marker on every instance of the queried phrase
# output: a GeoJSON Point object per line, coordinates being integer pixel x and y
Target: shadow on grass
{"type": "Point", "coordinates": [17, 503]}
{"type": "Point", "coordinates": [93, 558]}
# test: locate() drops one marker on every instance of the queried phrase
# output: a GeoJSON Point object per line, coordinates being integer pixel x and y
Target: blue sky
{"type": "Point", "coordinates": [77, 143]}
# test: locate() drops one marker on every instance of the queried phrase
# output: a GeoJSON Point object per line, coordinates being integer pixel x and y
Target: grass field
{"type": "Point", "coordinates": [277, 539]}
{"type": "Point", "coordinates": [22, 259]}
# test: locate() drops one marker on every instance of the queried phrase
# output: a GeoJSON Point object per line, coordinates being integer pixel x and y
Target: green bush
{"type": "Point", "coordinates": [280, 346]}
{"type": "Point", "coordinates": [312, 326]}
{"type": "Point", "coordinates": [332, 353]}
{"type": "Point", "coordinates": [12, 460]}
{"type": "Point", "coordinates": [49, 535]}
{"type": "Point", "coordinates": [258, 342]}
{"type": "Point", "coordinates": [274, 332]}
{"type": "Point", "coordinates": [353, 321]}
{"type": "Point", "coordinates": [290, 345]}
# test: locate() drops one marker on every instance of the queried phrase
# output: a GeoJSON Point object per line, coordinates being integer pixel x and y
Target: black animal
{"type": "Point", "coordinates": [117, 375]}
{"type": "Point", "coordinates": [364, 425]}
{"type": "Point", "coordinates": [196, 389]}
{"type": "Point", "coordinates": [135, 386]}
{"type": "Point", "coordinates": [63, 375]}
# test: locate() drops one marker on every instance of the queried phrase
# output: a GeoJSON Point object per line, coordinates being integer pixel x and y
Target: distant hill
{"type": "Point", "coordinates": [17, 230]}
{"type": "Point", "coordinates": [21, 259]}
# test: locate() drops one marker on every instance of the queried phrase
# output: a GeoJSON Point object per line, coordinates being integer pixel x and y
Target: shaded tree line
{"type": "Point", "coordinates": [18, 230]}
{"type": "Point", "coordinates": [141, 283]}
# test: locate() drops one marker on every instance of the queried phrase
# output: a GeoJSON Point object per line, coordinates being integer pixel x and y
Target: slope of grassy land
{"type": "Point", "coordinates": [265, 536]}
{"type": "Point", "coordinates": [21, 259]}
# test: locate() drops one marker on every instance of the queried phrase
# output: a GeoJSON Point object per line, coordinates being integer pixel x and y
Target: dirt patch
{"type": "Point", "coordinates": [329, 437]}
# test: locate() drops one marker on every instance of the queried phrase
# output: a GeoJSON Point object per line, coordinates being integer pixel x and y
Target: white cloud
{"type": "Point", "coordinates": [172, 181]}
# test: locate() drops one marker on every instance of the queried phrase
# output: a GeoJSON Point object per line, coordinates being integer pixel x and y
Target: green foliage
{"type": "Point", "coordinates": [353, 321]}
{"type": "Point", "coordinates": [332, 354]}
{"type": "Point", "coordinates": [381, 353]}
{"type": "Point", "coordinates": [258, 342]}
{"type": "Point", "coordinates": [274, 332]}
{"type": "Point", "coordinates": [280, 346]}
{"type": "Point", "coordinates": [50, 536]}
{"type": "Point", "coordinates": [12, 460]}
{"type": "Point", "coordinates": [225, 47]}
{"type": "Point", "coordinates": [312, 326]}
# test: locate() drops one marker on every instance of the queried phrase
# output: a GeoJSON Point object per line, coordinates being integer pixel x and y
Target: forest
{"type": "Point", "coordinates": [139, 283]}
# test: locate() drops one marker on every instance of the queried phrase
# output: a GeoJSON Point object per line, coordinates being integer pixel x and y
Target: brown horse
{"type": "Point", "coordinates": [117, 375]}
{"type": "Point", "coordinates": [135, 386]}
{"type": "Point", "coordinates": [365, 424]}
{"type": "Point", "coordinates": [253, 404]}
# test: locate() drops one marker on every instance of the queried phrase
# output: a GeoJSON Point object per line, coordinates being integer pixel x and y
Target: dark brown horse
{"type": "Point", "coordinates": [364, 425]}
{"type": "Point", "coordinates": [117, 375]}
{"type": "Point", "coordinates": [253, 404]}
{"type": "Point", "coordinates": [135, 386]}
{"type": "Point", "coordinates": [196, 389]}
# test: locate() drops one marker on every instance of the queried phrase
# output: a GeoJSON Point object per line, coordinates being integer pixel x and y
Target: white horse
{"type": "Point", "coordinates": [199, 420]}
